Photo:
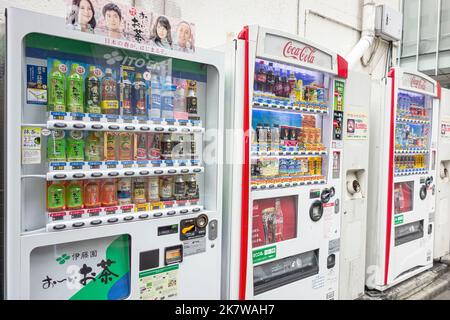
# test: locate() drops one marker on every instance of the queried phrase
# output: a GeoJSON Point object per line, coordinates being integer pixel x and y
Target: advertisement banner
{"type": "Point", "coordinates": [97, 269]}
{"type": "Point", "coordinates": [274, 220]}
{"type": "Point", "coordinates": [445, 128]}
{"type": "Point", "coordinates": [119, 21]}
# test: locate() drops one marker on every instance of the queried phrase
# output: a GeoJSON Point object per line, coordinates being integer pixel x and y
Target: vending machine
{"type": "Point", "coordinates": [442, 222]}
{"type": "Point", "coordinates": [402, 179]}
{"type": "Point", "coordinates": [283, 172]}
{"type": "Point", "coordinates": [113, 165]}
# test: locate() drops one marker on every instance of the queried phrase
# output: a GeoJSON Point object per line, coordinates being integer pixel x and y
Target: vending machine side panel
{"type": "Point", "coordinates": [377, 182]}
{"type": "Point", "coordinates": [354, 187]}
{"type": "Point", "coordinates": [442, 217]}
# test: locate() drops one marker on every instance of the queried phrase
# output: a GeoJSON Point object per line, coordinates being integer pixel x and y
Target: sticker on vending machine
{"type": "Point", "coordinates": [159, 284]}
{"type": "Point", "coordinates": [31, 145]}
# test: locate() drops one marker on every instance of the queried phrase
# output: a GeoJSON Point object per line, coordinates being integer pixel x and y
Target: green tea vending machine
{"type": "Point", "coordinates": [112, 160]}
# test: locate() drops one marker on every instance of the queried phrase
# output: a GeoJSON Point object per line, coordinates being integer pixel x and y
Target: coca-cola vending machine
{"type": "Point", "coordinates": [284, 150]}
{"type": "Point", "coordinates": [402, 179]}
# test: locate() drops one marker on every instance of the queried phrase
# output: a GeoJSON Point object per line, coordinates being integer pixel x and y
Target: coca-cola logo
{"type": "Point", "coordinates": [304, 54]}
{"type": "Point", "coordinates": [418, 83]}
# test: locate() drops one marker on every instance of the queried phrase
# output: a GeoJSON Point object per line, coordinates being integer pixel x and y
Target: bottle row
{"type": "Point", "coordinates": [275, 138]}
{"type": "Point", "coordinates": [281, 167]}
{"type": "Point", "coordinates": [282, 84]}
{"type": "Point", "coordinates": [120, 92]}
{"type": "Point", "coordinates": [412, 136]}
{"type": "Point", "coordinates": [76, 146]}
{"type": "Point", "coordinates": [412, 108]}
{"type": "Point", "coordinates": [74, 195]}
{"type": "Point", "coordinates": [418, 161]}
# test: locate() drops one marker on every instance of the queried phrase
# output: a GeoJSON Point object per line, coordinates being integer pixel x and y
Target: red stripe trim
{"type": "Point", "coordinates": [243, 35]}
{"type": "Point", "coordinates": [390, 180]}
{"type": "Point", "coordinates": [439, 90]}
{"type": "Point", "coordinates": [342, 67]}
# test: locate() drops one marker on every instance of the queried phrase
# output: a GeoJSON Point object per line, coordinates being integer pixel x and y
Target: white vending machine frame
{"type": "Point", "coordinates": [442, 222]}
{"type": "Point", "coordinates": [386, 263]}
{"type": "Point", "coordinates": [198, 275]}
{"type": "Point", "coordinates": [252, 43]}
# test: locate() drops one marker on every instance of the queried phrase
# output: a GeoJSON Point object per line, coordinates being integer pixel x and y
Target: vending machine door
{"type": "Point", "coordinates": [113, 154]}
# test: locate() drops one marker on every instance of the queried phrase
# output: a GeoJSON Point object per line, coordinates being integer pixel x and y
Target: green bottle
{"type": "Point", "coordinates": [75, 146]}
{"type": "Point", "coordinates": [75, 90]}
{"type": "Point", "coordinates": [56, 196]}
{"type": "Point", "coordinates": [93, 92]}
{"type": "Point", "coordinates": [56, 88]}
{"type": "Point", "coordinates": [56, 146]}
{"type": "Point", "coordinates": [94, 147]}
{"type": "Point", "coordinates": [75, 195]}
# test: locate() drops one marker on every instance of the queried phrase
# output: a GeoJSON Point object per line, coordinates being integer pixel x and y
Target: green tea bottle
{"type": "Point", "coordinates": [75, 146]}
{"type": "Point", "coordinates": [74, 193]}
{"type": "Point", "coordinates": [75, 90]}
{"type": "Point", "coordinates": [93, 92]}
{"type": "Point", "coordinates": [56, 196]}
{"type": "Point", "coordinates": [94, 146]}
{"type": "Point", "coordinates": [56, 100]}
{"type": "Point", "coordinates": [56, 146]}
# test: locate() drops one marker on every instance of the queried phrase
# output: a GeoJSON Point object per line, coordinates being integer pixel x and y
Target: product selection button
{"type": "Point", "coordinates": [171, 213]}
{"type": "Point", "coordinates": [129, 218]}
{"type": "Point", "coordinates": [96, 175]}
{"type": "Point", "coordinates": [60, 125]}
{"type": "Point", "coordinates": [79, 126]}
{"type": "Point", "coordinates": [113, 174]}
{"type": "Point", "coordinates": [113, 220]}
{"type": "Point", "coordinates": [79, 175]}
{"type": "Point", "coordinates": [157, 215]}
{"type": "Point", "coordinates": [78, 225]}
{"type": "Point", "coordinates": [59, 227]}
{"type": "Point", "coordinates": [97, 127]}
{"type": "Point", "coordinates": [96, 222]}
{"type": "Point", "coordinates": [113, 127]}
{"type": "Point", "coordinates": [130, 128]}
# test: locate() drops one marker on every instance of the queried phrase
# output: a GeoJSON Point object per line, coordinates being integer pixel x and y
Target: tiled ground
{"type": "Point", "coordinates": [443, 296]}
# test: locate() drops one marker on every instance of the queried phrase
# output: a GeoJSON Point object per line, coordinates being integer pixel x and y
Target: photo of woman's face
{"type": "Point", "coordinates": [184, 34]}
{"type": "Point", "coordinates": [161, 30]}
{"type": "Point", "coordinates": [85, 13]}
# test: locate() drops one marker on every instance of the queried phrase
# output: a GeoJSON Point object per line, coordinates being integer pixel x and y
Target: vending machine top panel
{"type": "Point", "coordinates": [416, 82]}
{"type": "Point", "coordinates": [285, 47]}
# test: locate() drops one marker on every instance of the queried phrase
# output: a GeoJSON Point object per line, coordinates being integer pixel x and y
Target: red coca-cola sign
{"type": "Point", "coordinates": [418, 83]}
{"type": "Point", "coordinates": [303, 54]}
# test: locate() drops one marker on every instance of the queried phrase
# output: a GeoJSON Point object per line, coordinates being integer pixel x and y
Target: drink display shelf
{"type": "Point", "coordinates": [410, 172]}
{"type": "Point", "coordinates": [84, 218]}
{"type": "Point", "coordinates": [411, 151]}
{"type": "Point", "coordinates": [121, 173]}
{"type": "Point", "coordinates": [414, 121]}
{"type": "Point", "coordinates": [112, 118]}
{"type": "Point", "coordinates": [106, 165]}
{"type": "Point", "coordinates": [310, 180]}
{"type": "Point", "coordinates": [286, 154]}
{"type": "Point", "coordinates": [301, 107]}
{"type": "Point", "coordinates": [122, 127]}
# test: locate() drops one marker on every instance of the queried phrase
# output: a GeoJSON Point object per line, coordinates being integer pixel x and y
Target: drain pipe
{"type": "Point", "coordinates": [367, 35]}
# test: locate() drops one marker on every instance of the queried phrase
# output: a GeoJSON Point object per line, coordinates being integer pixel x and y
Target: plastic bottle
{"type": "Point", "coordinates": [75, 87]}
{"type": "Point", "coordinates": [125, 95]}
{"type": "Point", "coordinates": [56, 146]}
{"type": "Point", "coordinates": [56, 88]}
{"type": "Point", "coordinates": [167, 147]}
{"type": "Point", "coordinates": [125, 146]}
{"type": "Point", "coordinates": [94, 146]}
{"type": "Point", "coordinates": [275, 138]}
{"type": "Point", "coordinates": [154, 152]}
{"type": "Point", "coordinates": [109, 192]}
{"type": "Point", "coordinates": [75, 146]}
{"type": "Point", "coordinates": [92, 194]}
{"type": "Point", "coordinates": [56, 196]}
{"type": "Point", "coordinates": [192, 191]}
{"type": "Point", "coordinates": [167, 99]}
{"type": "Point", "coordinates": [110, 101]}
{"type": "Point", "coordinates": [191, 101]}
{"type": "Point", "coordinates": [138, 94]}
{"type": "Point", "coordinates": [286, 85]}
{"type": "Point", "coordinates": [179, 107]}
{"type": "Point", "coordinates": [179, 188]}
{"type": "Point", "coordinates": [141, 146]}
{"type": "Point", "coordinates": [93, 92]}
{"type": "Point", "coordinates": [110, 146]}
{"type": "Point", "coordinates": [261, 76]}
{"type": "Point", "coordinates": [166, 188]}
{"type": "Point", "coordinates": [279, 221]}
{"type": "Point", "coordinates": [153, 189]}
{"type": "Point", "coordinates": [124, 191]}
{"type": "Point", "coordinates": [74, 193]}
{"type": "Point", "coordinates": [155, 109]}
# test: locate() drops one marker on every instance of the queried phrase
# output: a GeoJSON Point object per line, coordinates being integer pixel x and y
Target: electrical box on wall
{"type": "Point", "coordinates": [388, 23]}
